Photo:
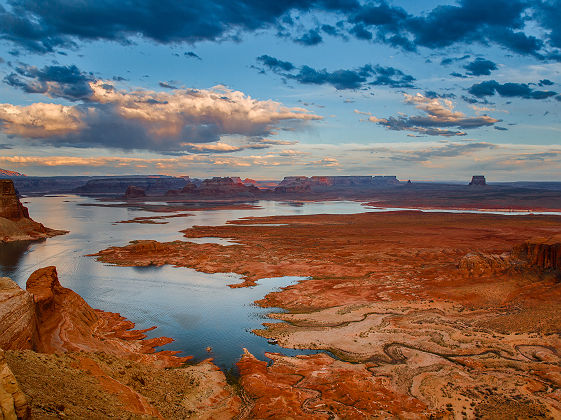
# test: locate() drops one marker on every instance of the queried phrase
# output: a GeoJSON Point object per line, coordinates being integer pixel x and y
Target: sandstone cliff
{"type": "Point", "coordinates": [221, 187]}
{"type": "Point", "coordinates": [15, 223]}
{"type": "Point", "coordinates": [543, 253]}
{"type": "Point", "coordinates": [50, 318]}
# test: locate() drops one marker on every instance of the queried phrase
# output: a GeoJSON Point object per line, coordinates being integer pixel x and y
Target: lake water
{"type": "Point", "coordinates": [197, 309]}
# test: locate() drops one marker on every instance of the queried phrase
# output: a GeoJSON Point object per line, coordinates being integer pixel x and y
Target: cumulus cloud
{"type": "Point", "coordinates": [438, 119]}
{"type": "Point", "coordinates": [144, 119]}
{"type": "Point", "coordinates": [509, 90]}
{"type": "Point", "coordinates": [40, 120]}
{"type": "Point", "coordinates": [364, 76]}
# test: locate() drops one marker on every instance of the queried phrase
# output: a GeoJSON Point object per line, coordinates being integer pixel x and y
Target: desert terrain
{"type": "Point", "coordinates": [420, 314]}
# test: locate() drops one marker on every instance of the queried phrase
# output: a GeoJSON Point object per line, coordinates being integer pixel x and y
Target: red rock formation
{"type": "Point", "coordinates": [10, 206]}
{"type": "Point", "coordinates": [320, 387]}
{"type": "Point", "coordinates": [134, 192]}
{"type": "Point", "coordinates": [480, 264]}
{"type": "Point", "coordinates": [543, 253]}
{"type": "Point", "coordinates": [15, 223]}
{"type": "Point", "coordinates": [50, 318]}
{"type": "Point", "coordinates": [478, 180]}
{"type": "Point", "coordinates": [221, 187]}
{"type": "Point", "coordinates": [17, 317]}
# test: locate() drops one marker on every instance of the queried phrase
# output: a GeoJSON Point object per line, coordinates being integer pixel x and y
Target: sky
{"type": "Point", "coordinates": [424, 90]}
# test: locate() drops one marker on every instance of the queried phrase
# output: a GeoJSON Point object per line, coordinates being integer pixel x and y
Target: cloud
{"type": "Point", "coordinates": [40, 120]}
{"type": "Point", "coordinates": [220, 147]}
{"type": "Point", "coordinates": [480, 67]}
{"type": "Point", "coordinates": [509, 90]}
{"type": "Point", "coordinates": [42, 25]}
{"type": "Point", "coordinates": [312, 37]}
{"type": "Point", "coordinates": [521, 26]}
{"type": "Point", "coordinates": [438, 119]}
{"type": "Point", "coordinates": [362, 77]}
{"type": "Point", "coordinates": [168, 85]}
{"type": "Point", "coordinates": [446, 151]}
{"type": "Point", "coordinates": [191, 54]}
{"type": "Point", "coordinates": [144, 119]}
{"type": "Point", "coordinates": [275, 64]}
{"type": "Point", "coordinates": [55, 81]}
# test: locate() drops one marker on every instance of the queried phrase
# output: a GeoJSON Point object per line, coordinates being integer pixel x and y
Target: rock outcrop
{"type": "Point", "coordinates": [478, 180]}
{"type": "Point", "coordinates": [17, 317]}
{"type": "Point", "coordinates": [118, 186]}
{"type": "Point", "coordinates": [15, 223]}
{"type": "Point", "coordinates": [13, 403]}
{"type": "Point", "coordinates": [476, 263]}
{"type": "Point", "coordinates": [134, 192]}
{"type": "Point", "coordinates": [544, 253]}
{"type": "Point", "coordinates": [221, 187]}
{"type": "Point", "coordinates": [10, 206]}
{"type": "Point", "coordinates": [50, 318]}
{"type": "Point", "coordinates": [303, 184]}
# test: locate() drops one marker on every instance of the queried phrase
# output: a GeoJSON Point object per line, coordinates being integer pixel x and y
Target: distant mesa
{"type": "Point", "coordinates": [6, 173]}
{"type": "Point", "coordinates": [478, 180]}
{"type": "Point", "coordinates": [298, 184]}
{"type": "Point", "coordinates": [134, 192]}
{"type": "Point", "coordinates": [15, 223]}
{"type": "Point", "coordinates": [219, 187]}
{"type": "Point", "coordinates": [118, 186]}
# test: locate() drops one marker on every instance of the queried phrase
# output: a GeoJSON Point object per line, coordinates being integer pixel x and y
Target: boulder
{"type": "Point", "coordinates": [13, 403]}
{"type": "Point", "coordinates": [18, 323]}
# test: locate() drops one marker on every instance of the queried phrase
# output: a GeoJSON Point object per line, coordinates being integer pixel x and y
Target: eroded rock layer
{"type": "Point", "coordinates": [422, 314]}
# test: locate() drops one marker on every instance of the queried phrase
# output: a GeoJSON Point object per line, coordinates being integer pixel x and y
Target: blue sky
{"type": "Point", "coordinates": [422, 90]}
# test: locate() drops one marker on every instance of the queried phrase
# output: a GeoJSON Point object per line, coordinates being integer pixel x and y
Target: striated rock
{"type": "Point", "coordinates": [221, 187]}
{"type": "Point", "coordinates": [302, 184]}
{"type": "Point", "coordinates": [134, 192]}
{"type": "Point", "coordinates": [476, 263]}
{"type": "Point", "coordinates": [320, 387]}
{"type": "Point", "coordinates": [50, 318]}
{"type": "Point", "coordinates": [13, 403]}
{"type": "Point", "coordinates": [544, 253]}
{"type": "Point", "coordinates": [17, 317]}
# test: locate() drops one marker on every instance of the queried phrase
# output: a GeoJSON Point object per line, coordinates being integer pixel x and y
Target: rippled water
{"type": "Point", "coordinates": [196, 309]}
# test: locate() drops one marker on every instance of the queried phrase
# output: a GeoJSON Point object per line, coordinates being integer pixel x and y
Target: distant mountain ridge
{"type": "Point", "coordinates": [5, 172]}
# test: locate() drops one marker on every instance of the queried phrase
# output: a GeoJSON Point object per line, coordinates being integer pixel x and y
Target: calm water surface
{"type": "Point", "coordinates": [196, 309]}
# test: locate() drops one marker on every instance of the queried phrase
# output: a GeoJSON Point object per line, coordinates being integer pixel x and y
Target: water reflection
{"type": "Point", "coordinates": [196, 309]}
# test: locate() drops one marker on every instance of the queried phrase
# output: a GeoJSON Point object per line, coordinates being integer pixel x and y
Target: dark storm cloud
{"type": "Point", "coordinates": [480, 67]}
{"type": "Point", "coordinates": [47, 25]}
{"type": "Point", "coordinates": [449, 60]}
{"type": "Point", "coordinates": [364, 76]}
{"type": "Point", "coordinates": [509, 90]}
{"type": "Point", "coordinates": [56, 81]}
{"type": "Point", "coordinates": [43, 25]}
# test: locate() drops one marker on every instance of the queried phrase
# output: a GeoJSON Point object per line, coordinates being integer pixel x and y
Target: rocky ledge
{"type": "Point", "coordinates": [15, 223]}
